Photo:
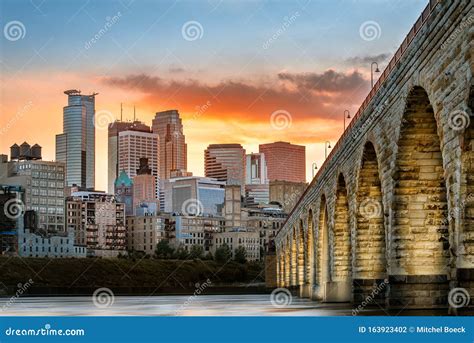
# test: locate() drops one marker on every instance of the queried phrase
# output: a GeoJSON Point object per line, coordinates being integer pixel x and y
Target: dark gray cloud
{"type": "Point", "coordinates": [329, 81]}
{"type": "Point", "coordinates": [367, 60]}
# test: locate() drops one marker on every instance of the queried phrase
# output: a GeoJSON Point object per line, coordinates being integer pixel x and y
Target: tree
{"type": "Point", "coordinates": [164, 250]}
{"type": "Point", "coordinates": [209, 256]}
{"type": "Point", "coordinates": [240, 255]}
{"type": "Point", "coordinates": [223, 253]}
{"type": "Point", "coordinates": [196, 251]}
{"type": "Point", "coordinates": [182, 253]}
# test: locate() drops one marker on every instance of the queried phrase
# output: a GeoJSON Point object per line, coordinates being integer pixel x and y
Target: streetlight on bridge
{"type": "Point", "coordinates": [348, 117]}
{"type": "Point", "coordinates": [377, 70]}
{"type": "Point", "coordinates": [315, 167]}
{"type": "Point", "coordinates": [327, 145]}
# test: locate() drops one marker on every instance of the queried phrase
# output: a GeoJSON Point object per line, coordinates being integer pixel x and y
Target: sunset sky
{"type": "Point", "coordinates": [225, 65]}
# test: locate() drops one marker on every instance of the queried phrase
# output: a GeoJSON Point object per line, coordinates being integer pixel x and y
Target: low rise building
{"type": "Point", "coordinates": [286, 193]}
{"type": "Point", "coordinates": [144, 232]}
{"type": "Point", "coordinates": [98, 222]}
{"type": "Point", "coordinates": [235, 238]}
{"type": "Point", "coordinates": [196, 230]}
{"type": "Point", "coordinates": [43, 182]}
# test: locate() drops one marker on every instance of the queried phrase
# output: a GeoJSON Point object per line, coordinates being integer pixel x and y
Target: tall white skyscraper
{"type": "Point", "coordinates": [133, 145]}
{"type": "Point", "coordinates": [76, 145]}
{"type": "Point", "coordinates": [113, 145]}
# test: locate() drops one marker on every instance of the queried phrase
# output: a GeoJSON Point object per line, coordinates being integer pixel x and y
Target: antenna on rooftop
{"type": "Point", "coordinates": [121, 111]}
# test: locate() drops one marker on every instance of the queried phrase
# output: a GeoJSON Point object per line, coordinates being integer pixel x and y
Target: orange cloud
{"type": "Point", "coordinates": [304, 96]}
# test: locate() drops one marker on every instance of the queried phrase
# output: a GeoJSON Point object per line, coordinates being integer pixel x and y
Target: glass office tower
{"type": "Point", "coordinates": [76, 145]}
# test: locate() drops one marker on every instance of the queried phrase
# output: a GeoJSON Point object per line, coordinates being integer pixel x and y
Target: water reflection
{"type": "Point", "coordinates": [202, 305]}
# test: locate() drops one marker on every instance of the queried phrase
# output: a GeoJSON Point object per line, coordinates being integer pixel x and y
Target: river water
{"type": "Point", "coordinates": [202, 305]}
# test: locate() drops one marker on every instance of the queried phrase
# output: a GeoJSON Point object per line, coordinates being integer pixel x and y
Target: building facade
{"type": "Point", "coordinates": [237, 238]}
{"type": "Point", "coordinates": [98, 222]}
{"type": "Point", "coordinates": [113, 147]}
{"type": "Point", "coordinates": [144, 232]}
{"type": "Point", "coordinates": [144, 186]}
{"type": "Point", "coordinates": [194, 195]}
{"type": "Point", "coordinates": [43, 183]}
{"type": "Point", "coordinates": [225, 162]}
{"type": "Point", "coordinates": [192, 230]}
{"type": "Point", "coordinates": [134, 145]}
{"type": "Point", "coordinates": [285, 161]}
{"type": "Point", "coordinates": [76, 145]}
{"type": "Point", "coordinates": [286, 193]}
{"type": "Point", "coordinates": [173, 149]}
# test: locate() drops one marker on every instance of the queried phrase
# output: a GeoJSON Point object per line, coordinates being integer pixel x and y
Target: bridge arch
{"type": "Point", "coordinates": [369, 251]}
{"type": "Point", "coordinates": [419, 208]}
{"type": "Point", "coordinates": [342, 235]}
{"type": "Point", "coordinates": [293, 258]}
{"type": "Point", "coordinates": [309, 261]}
{"type": "Point", "coordinates": [288, 261]}
{"type": "Point", "coordinates": [301, 255]}
{"type": "Point", "coordinates": [323, 260]}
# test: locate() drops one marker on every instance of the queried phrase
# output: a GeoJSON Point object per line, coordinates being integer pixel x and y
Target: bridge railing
{"type": "Point", "coordinates": [425, 14]}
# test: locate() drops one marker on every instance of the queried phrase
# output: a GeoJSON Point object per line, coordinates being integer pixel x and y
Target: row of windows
{"type": "Point", "coordinates": [50, 184]}
{"type": "Point", "coordinates": [48, 175]}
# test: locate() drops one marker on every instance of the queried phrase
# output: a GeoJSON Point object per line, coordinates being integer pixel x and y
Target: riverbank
{"type": "Point", "coordinates": [42, 276]}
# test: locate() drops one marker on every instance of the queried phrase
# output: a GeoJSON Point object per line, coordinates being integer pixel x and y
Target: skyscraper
{"type": "Point", "coordinates": [255, 169]}
{"type": "Point", "coordinates": [113, 164]}
{"type": "Point", "coordinates": [134, 145]}
{"type": "Point", "coordinates": [173, 149]}
{"type": "Point", "coordinates": [225, 162]}
{"type": "Point", "coordinates": [285, 161]}
{"type": "Point", "coordinates": [144, 185]}
{"type": "Point", "coordinates": [76, 145]}
{"type": "Point", "coordinates": [256, 180]}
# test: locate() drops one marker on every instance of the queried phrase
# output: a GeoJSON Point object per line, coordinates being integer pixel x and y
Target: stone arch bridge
{"type": "Point", "coordinates": [392, 208]}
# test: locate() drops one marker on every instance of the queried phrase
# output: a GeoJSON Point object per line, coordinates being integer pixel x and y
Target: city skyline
{"type": "Point", "coordinates": [230, 95]}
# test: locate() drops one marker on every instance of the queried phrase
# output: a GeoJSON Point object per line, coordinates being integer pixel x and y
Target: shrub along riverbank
{"type": "Point", "coordinates": [127, 276]}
